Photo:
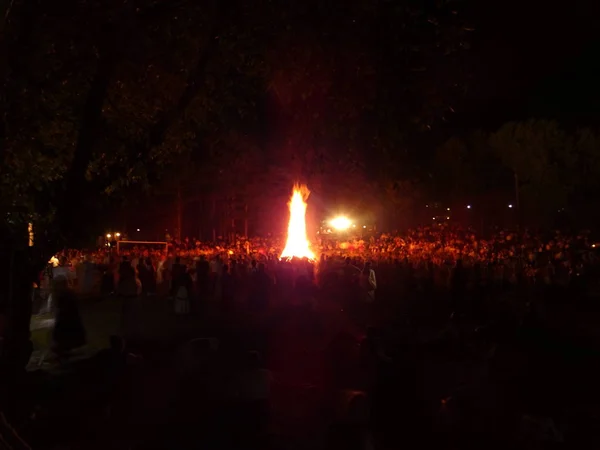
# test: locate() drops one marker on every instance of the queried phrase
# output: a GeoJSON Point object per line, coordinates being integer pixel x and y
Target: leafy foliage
{"type": "Point", "coordinates": [463, 167]}
{"type": "Point", "coordinates": [190, 84]}
{"type": "Point", "coordinates": [543, 157]}
{"type": "Point", "coordinates": [554, 167]}
{"type": "Point", "coordinates": [556, 170]}
{"type": "Point", "coordinates": [147, 112]}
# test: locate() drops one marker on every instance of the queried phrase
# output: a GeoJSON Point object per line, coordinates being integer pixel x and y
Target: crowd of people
{"type": "Point", "coordinates": [366, 278]}
{"type": "Point", "coordinates": [249, 273]}
{"type": "Point", "coordinates": [504, 256]}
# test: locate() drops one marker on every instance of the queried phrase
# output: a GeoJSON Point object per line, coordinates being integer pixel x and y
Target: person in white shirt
{"type": "Point", "coordinates": [368, 282]}
{"type": "Point", "coordinates": [216, 264]}
{"type": "Point", "coordinates": [216, 268]}
{"type": "Point", "coordinates": [368, 285]}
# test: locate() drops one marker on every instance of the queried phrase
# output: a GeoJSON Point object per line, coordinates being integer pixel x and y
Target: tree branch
{"type": "Point", "coordinates": [73, 197]}
{"type": "Point", "coordinates": [194, 83]}
{"type": "Point", "coordinates": [5, 9]}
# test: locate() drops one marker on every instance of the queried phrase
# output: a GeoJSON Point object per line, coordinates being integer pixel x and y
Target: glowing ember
{"type": "Point", "coordinates": [297, 244]}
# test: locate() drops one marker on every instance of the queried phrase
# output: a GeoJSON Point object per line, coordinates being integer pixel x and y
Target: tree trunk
{"type": "Point", "coordinates": [194, 84]}
{"type": "Point", "coordinates": [20, 264]}
{"type": "Point", "coordinates": [69, 210]}
{"type": "Point", "coordinates": [5, 8]}
{"type": "Point", "coordinates": [17, 274]}
{"type": "Point", "coordinates": [19, 280]}
{"type": "Point", "coordinates": [13, 67]}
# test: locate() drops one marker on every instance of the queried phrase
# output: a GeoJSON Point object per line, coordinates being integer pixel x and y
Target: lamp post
{"type": "Point", "coordinates": [517, 198]}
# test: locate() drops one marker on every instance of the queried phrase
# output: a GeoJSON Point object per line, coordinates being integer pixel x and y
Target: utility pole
{"type": "Point", "coordinates": [246, 220]}
{"type": "Point", "coordinates": [517, 196]}
{"type": "Point", "coordinates": [232, 214]}
{"type": "Point", "coordinates": [213, 216]}
{"type": "Point", "coordinates": [517, 199]}
{"type": "Point", "coordinates": [179, 213]}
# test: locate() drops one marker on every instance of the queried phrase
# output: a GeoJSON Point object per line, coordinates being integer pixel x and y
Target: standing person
{"type": "Point", "coordinates": [202, 283]}
{"type": "Point", "coordinates": [127, 286]}
{"type": "Point", "coordinates": [351, 279]}
{"type": "Point", "coordinates": [253, 268]}
{"type": "Point", "coordinates": [88, 270]}
{"type": "Point", "coordinates": [368, 284]}
{"type": "Point", "coordinates": [69, 332]}
{"type": "Point", "coordinates": [147, 276]}
{"type": "Point", "coordinates": [227, 288]}
{"type": "Point", "coordinates": [177, 275]}
{"type": "Point", "coordinates": [108, 277]}
{"type": "Point", "coordinates": [215, 266]}
{"type": "Point", "coordinates": [162, 274]}
{"type": "Point", "coordinates": [260, 284]}
{"type": "Point", "coordinates": [183, 294]}
{"type": "Point", "coordinates": [125, 269]}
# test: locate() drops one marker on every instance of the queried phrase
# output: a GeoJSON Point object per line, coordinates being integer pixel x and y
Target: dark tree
{"type": "Point", "coordinates": [105, 99]}
{"type": "Point", "coordinates": [95, 100]}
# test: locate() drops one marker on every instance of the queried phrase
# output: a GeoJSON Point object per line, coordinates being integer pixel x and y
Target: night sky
{"type": "Point", "coordinates": [527, 59]}
{"type": "Point", "coordinates": [532, 59]}
{"type": "Point", "coordinates": [381, 101]}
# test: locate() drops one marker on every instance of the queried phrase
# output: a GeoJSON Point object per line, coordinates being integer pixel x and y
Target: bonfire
{"type": "Point", "coordinates": [297, 244]}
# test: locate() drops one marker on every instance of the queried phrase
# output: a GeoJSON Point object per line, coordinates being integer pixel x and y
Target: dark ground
{"type": "Point", "coordinates": [459, 392]}
{"type": "Point", "coordinates": [72, 396]}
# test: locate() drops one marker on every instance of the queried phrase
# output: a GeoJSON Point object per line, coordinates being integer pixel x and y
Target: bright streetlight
{"type": "Point", "coordinates": [341, 223]}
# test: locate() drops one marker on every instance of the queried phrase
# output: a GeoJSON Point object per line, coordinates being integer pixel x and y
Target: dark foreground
{"type": "Point", "coordinates": [461, 383]}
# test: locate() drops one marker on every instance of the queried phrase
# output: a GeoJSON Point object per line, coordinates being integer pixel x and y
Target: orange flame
{"type": "Point", "coordinates": [297, 244]}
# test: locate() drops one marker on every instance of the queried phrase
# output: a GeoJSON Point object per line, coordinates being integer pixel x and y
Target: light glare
{"type": "Point", "coordinates": [341, 223]}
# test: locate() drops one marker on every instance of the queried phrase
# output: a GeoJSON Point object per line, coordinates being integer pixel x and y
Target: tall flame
{"type": "Point", "coordinates": [297, 244]}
